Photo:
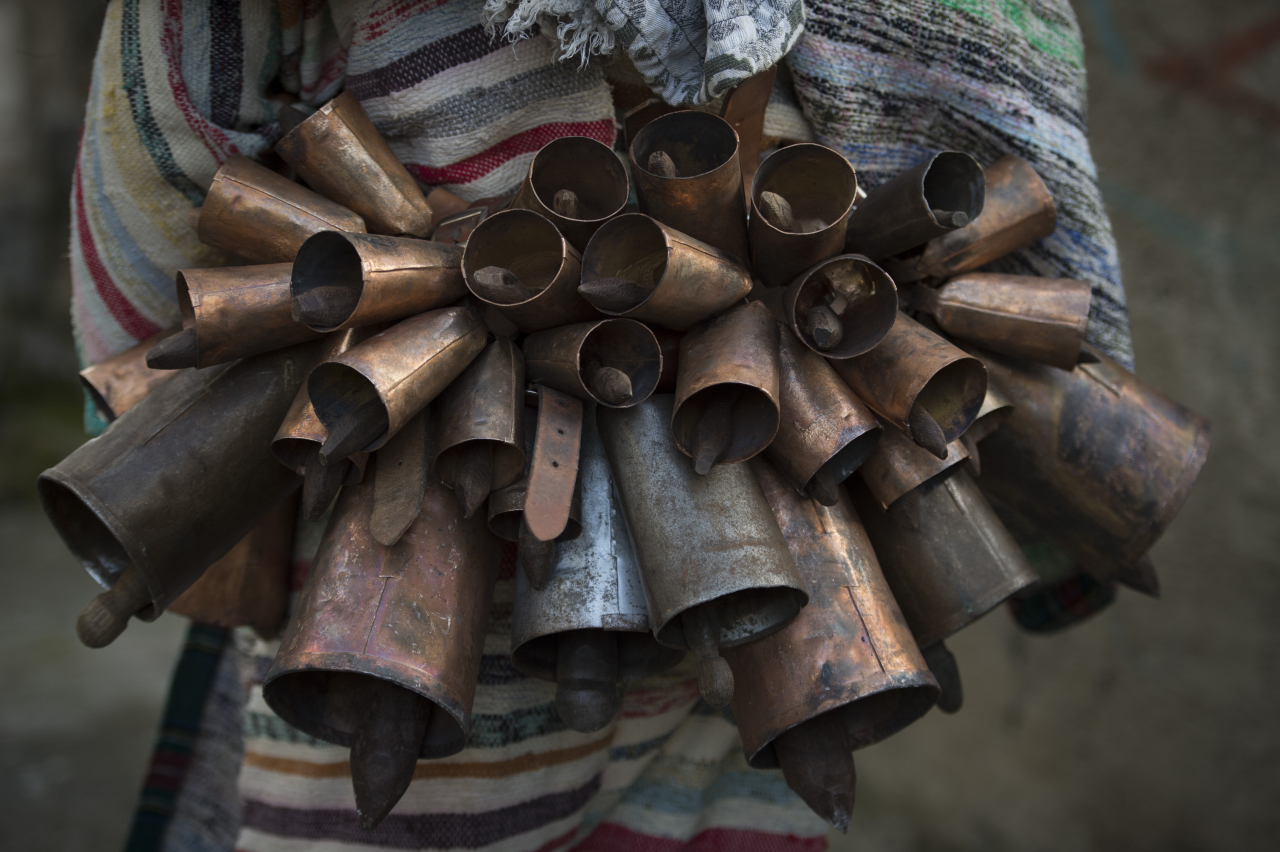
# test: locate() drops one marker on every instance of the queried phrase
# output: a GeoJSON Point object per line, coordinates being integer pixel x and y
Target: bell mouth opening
{"type": "Point", "coordinates": [522, 242]}
{"type": "Point", "coordinates": [851, 456]}
{"type": "Point", "coordinates": [185, 308]}
{"type": "Point", "coordinates": [743, 616]}
{"type": "Point", "coordinates": [84, 532]}
{"type": "Point", "coordinates": [329, 705]}
{"type": "Point", "coordinates": [624, 345]}
{"type": "Point", "coordinates": [860, 293]}
{"type": "Point", "coordinates": [639, 655]}
{"type": "Point", "coordinates": [337, 390]}
{"type": "Point", "coordinates": [954, 394]}
{"type": "Point", "coordinates": [698, 143]}
{"type": "Point", "coordinates": [587, 168]}
{"type": "Point", "coordinates": [329, 260]}
{"type": "Point", "coordinates": [817, 182]}
{"type": "Point", "coordinates": [954, 183]}
{"type": "Point", "coordinates": [506, 466]}
{"type": "Point", "coordinates": [632, 247]}
{"type": "Point", "coordinates": [293, 452]}
{"type": "Point", "coordinates": [754, 420]}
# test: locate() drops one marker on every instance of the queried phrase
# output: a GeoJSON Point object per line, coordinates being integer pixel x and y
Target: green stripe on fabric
{"type": "Point", "coordinates": [1050, 37]}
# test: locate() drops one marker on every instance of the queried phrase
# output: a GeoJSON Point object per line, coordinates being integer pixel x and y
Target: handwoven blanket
{"type": "Point", "coordinates": [179, 85]}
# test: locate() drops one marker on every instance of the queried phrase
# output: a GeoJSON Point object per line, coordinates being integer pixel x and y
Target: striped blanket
{"type": "Point", "coordinates": [179, 85]}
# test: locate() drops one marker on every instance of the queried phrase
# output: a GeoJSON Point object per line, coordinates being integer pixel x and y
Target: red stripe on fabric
{"type": "Point", "coordinates": [474, 168]}
{"type": "Point", "coordinates": [562, 840]}
{"type": "Point", "coordinates": [610, 837]}
{"type": "Point", "coordinates": [214, 140]}
{"type": "Point", "coordinates": [134, 324]}
{"type": "Point", "coordinates": [642, 703]}
{"type": "Point", "coordinates": [382, 21]}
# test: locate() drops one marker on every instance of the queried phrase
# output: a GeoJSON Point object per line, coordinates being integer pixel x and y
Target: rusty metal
{"type": "Point", "coordinates": [264, 217]}
{"type": "Point", "coordinates": [1017, 211]}
{"type": "Point", "coordinates": [562, 358]}
{"type": "Point", "coordinates": [413, 614]}
{"type": "Point", "coordinates": [897, 466]}
{"type": "Point", "coordinates": [123, 380]}
{"type": "Point", "coordinates": [865, 293]}
{"type": "Point", "coordinates": [824, 431]}
{"type": "Point", "coordinates": [956, 567]}
{"type": "Point", "coordinates": [918, 205]}
{"type": "Point", "coordinates": [250, 585]}
{"type": "Point", "coordinates": [1095, 458]}
{"type": "Point", "coordinates": [398, 371]}
{"type": "Point", "coordinates": [238, 311]}
{"type": "Point", "coordinates": [527, 244]}
{"type": "Point", "coordinates": [341, 155]}
{"type": "Point", "coordinates": [587, 168]}
{"type": "Point", "coordinates": [819, 185]}
{"type": "Point", "coordinates": [380, 279]}
{"type": "Point", "coordinates": [913, 366]}
{"type": "Point", "coordinates": [706, 199]}
{"type": "Point", "coordinates": [179, 478]}
{"type": "Point", "coordinates": [743, 109]}
{"type": "Point", "coordinates": [848, 652]}
{"type": "Point", "coordinates": [688, 280]}
{"type": "Point", "coordinates": [595, 586]}
{"type": "Point", "coordinates": [551, 486]}
{"type": "Point", "coordinates": [483, 408]}
{"type": "Point", "coordinates": [397, 494]}
{"type": "Point", "coordinates": [735, 353]}
{"type": "Point", "coordinates": [1025, 316]}
{"type": "Point", "coordinates": [699, 539]}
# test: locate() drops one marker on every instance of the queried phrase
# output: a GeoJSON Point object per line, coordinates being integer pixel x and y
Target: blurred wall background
{"type": "Point", "coordinates": [1153, 727]}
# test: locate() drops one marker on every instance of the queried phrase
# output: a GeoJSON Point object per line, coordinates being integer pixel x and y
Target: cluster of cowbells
{"type": "Point", "coordinates": [664, 409]}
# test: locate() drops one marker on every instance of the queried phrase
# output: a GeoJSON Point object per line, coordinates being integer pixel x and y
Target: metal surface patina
{"type": "Point", "coordinates": [933, 198]}
{"type": "Point", "coordinates": [588, 169]}
{"type": "Point", "coordinates": [818, 187]}
{"type": "Point", "coordinates": [705, 197]}
{"type": "Point", "coordinates": [864, 293]}
{"type": "Point", "coordinates": [571, 359]}
{"type": "Point", "coordinates": [123, 380]}
{"type": "Point", "coordinates": [897, 466]}
{"type": "Point", "coordinates": [264, 217]}
{"type": "Point", "coordinates": [341, 155]}
{"type": "Point", "coordinates": [1026, 316]}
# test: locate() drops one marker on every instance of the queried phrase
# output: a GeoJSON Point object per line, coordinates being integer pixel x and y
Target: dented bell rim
{"type": "Point", "coordinates": [698, 143]}
{"type": "Point", "coordinates": [866, 320]}
{"type": "Point", "coordinates": [817, 181]}
{"type": "Point", "coordinates": [524, 242]}
{"type": "Point", "coordinates": [586, 167]}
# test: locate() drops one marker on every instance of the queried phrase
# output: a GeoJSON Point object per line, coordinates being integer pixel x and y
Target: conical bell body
{"type": "Point", "coordinates": [399, 628]}
{"type": "Point", "coordinates": [587, 170]}
{"type": "Point", "coordinates": [1026, 316]}
{"type": "Point", "coordinates": [637, 267]}
{"type": "Point", "coordinates": [341, 155]}
{"type": "Point", "coordinates": [520, 265]}
{"type": "Point", "coordinates": [848, 652]}
{"type": "Point", "coordinates": [800, 201]}
{"type": "Point", "coordinates": [264, 217]}
{"type": "Point", "coordinates": [178, 479]}
{"type": "Point", "coordinates": [342, 280]}
{"type": "Point", "coordinates": [591, 614]}
{"type": "Point", "coordinates": [695, 183]}
{"type": "Point", "coordinates": [841, 307]}
{"type": "Point", "coordinates": [613, 362]}
{"type": "Point", "coordinates": [120, 382]}
{"type": "Point", "coordinates": [717, 572]}
{"type": "Point", "coordinates": [933, 198]}
{"type": "Point", "coordinates": [897, 466]}
{"type": "Point", "coordinates": [1094, 458]}
{"type": "Point", "coordinates": [1017, 210]}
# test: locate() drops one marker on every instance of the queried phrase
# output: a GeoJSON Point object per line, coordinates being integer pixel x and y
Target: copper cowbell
{"type": "Point", "coordinates": [120, 382]}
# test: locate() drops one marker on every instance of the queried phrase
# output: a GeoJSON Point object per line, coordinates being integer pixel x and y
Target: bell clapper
{"type": "Point", "coordinates": [951, 218]}
{"type": "Point", "coordinates": [537, 557]}
{"type": "Point", "coordinates": [587, 693]}
{"type": "Point", "coordinates": [474, 475]}
{"type": "Point", "coordinates": [1141, 576]}
{"type": "Point", "coordinates": [616, 295]}
{"type": "Point", "coordinates": [817, 764]}
{"type": "Point", "coordinates": [661, 164]}
{"type": "Point", "coordinates": [943, 665]}
{"type": "Point", "coordinates": [320, 484]}
{"type": "Point", "coordinates": [384, 751]}
{"type": "Point", "coordinates": [175, 352]}
{"type": "Point", "coordinates": [565, 203]}
{"type": "Point", "coordinates": [824, 488]}
{"type": "Point", "coordinates": [777, 210]}
{"type": "Point", "coordinates": [324, 307]}
{"type": "Point", "coordinates": [500, 286]}
{"type": "Point", "coordinates": [702, 633]}
{"type": "Point", "coordinates": [715, 428]}
{"type": "Point", "coordinates": [106, 616]}
{"type": "Point", "coordinates": [354, 431]}
{"type": "Point", "coordinates": [825, 327]}
{"type": "Point", "coordinates": [610, 384]}
{"type": "Point", "coordinates": [925, 431]}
